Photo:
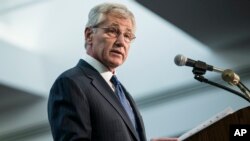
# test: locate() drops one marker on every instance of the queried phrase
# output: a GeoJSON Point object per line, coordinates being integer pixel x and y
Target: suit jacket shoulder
{"type": "Point", "coordinates": [82, 106]}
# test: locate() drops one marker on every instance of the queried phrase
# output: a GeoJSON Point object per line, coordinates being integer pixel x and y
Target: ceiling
{"type": "Point", "coordinates": [215, 23]}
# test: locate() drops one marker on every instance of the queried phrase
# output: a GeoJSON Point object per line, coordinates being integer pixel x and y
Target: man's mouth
{"type": "Point", "coordinates": [117, 52]}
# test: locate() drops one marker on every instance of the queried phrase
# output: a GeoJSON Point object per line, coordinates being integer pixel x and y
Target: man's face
{"type": "Point", "coordinates": [111, 52]}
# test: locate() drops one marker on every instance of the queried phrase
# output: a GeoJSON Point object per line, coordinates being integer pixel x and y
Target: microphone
{"type": "Point", "coordinates": [230, 77]}
{"type": "Point", "coordinates": [233, 79]}
{"type": "Point", "coordinates": [181, 60]}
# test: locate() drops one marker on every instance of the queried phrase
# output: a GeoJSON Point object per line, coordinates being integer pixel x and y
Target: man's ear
{"type": "Point", "coordinates": [88, 35]}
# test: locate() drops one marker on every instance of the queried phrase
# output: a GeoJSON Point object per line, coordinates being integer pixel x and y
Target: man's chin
{"type": "Point", "coordinates": [115, 64]}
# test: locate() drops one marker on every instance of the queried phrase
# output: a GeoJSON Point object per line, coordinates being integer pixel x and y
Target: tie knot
{"type": "Point", "coordinates": [114, 80]}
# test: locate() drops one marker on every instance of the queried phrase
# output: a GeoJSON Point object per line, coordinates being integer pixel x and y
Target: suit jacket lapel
{"type": "Point", "coordinates": [137, 115]}
{"type": "Point", "coordinates": [100, 84]}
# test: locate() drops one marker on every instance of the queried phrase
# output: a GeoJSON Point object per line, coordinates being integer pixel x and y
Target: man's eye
{"type": "Point", "coordinates": [111, 30]}
{"type": "Point", "coordinates": [127, 35]}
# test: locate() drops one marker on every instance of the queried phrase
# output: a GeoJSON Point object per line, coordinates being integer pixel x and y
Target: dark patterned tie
{"type": "Point", "coordinates": [119, 91]}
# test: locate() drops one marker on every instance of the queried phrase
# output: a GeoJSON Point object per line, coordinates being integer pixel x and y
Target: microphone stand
{"type": "Point", "coordinates": [244, 89]}
{"type": "Point", "coordinates": [199, 71]}
{"type": "Point", "coordinates": [203, 79]}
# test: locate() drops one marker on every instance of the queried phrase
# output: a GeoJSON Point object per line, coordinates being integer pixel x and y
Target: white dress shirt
{"type": "Point", "coordinates": [105, 73]}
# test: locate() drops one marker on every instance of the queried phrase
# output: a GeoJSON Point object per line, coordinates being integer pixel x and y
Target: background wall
{"type": "Point", "coordinates": [39, 39]}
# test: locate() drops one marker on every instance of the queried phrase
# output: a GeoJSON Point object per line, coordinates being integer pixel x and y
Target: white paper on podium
{"type": "Point", "coordinates": [207, 123]}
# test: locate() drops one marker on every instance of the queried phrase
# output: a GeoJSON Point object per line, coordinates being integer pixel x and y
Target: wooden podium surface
{"type": "Point", "coordinates": [219, 131]}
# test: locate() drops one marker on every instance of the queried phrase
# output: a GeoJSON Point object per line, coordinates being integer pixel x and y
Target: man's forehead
{"type": "Point", "coordinates": [118, 22]}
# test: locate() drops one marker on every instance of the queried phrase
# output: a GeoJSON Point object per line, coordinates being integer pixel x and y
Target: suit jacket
{"type": "Point", "coordinates": [83, 107]}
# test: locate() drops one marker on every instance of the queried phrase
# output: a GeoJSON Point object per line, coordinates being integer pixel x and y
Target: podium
{"type": "Point", "coordinates": [220, 130]}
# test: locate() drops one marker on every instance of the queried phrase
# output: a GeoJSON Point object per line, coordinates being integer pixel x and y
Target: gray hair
{"type": "Point", "coordinates": [97, 14]}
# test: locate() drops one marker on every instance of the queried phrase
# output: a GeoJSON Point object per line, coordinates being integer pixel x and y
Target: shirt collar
{"type": "Point", "coordinates": [103, 70]}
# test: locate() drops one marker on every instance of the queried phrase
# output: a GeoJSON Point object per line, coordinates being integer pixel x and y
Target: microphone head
{"type": "Point", "coordinates": [180, 60]}
{"type": "Point", "coordinates": [230, 77]}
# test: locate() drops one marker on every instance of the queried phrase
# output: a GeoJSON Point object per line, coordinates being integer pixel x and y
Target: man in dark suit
{"type": "Point", "coordinates": [84, 103]}
{"type": "Point", "coordinates": [88, 102]}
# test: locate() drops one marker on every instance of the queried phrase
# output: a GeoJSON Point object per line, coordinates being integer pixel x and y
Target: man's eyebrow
{"type": "Point", "coordinates": [117, 25]}
{"type": "Point", "coordinates": [114, 24]}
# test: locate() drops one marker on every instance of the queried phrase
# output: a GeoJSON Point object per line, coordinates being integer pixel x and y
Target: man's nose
{"type": "Point", "coordinates": [120, 40]}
